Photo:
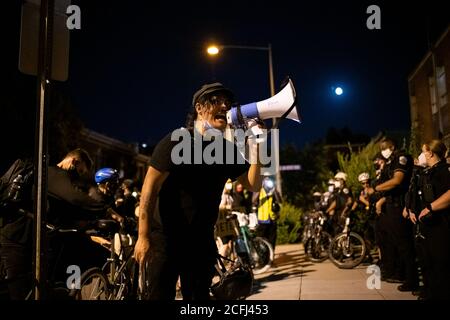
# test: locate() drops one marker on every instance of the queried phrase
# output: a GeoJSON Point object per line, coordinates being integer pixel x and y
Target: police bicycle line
{"type": "Point", "coordinates": [346, 250]}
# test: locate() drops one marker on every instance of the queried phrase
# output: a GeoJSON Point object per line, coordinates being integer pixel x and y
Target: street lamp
{"type": "Point", "coordinates": [213, 50]}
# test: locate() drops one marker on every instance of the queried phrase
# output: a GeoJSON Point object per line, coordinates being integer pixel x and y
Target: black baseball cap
{"type": "Point", "coordinates": [210, 88]}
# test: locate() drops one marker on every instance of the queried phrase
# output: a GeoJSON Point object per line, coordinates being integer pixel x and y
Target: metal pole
{"type": "Point", "coordinates": [41, 146]}
{"type": "Point", "coordinates": [275, 133]}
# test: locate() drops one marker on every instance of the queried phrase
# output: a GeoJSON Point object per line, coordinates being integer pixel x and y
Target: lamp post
{"type": "Point", "coordinates": [214, 50]}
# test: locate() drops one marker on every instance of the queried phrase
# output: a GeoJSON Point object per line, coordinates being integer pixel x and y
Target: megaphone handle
{"type": "Point", "coordinates": [240, 117]}
{"type": "Point", "coordinates": [277, 122]}
{"type": "Point", "coordinates": [256, 130]}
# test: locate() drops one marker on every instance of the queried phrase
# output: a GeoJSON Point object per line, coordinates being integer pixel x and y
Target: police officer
{"type": "Point", "coordinates": [381, 233]}
{"type": "Point", "coordinates": [435, 218]}
{"type": "Point", "coordinates": [398, 169]}
{"type": "Point", "coordinates": [341, 202]}
{"type": "Point", "coordinates": [413, 207]}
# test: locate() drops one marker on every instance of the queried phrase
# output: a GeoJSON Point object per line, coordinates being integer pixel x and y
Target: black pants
{"type": "Point", "coordinates": [190, 259]}
{"type": "Point", "coordinates": [401, 235]}
{"type": "Point", "coordinates": [268, 231]}
{"type": "Point", "coordinates": [389, 255]}
{"type": "Point", "coordinates": [17, 262]}
{"type": "Point", "coordinates": [437, 253]}
{"type": "Point", "coordinates": [423, 259]}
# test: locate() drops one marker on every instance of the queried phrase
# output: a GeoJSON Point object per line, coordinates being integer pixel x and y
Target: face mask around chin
{"type": "Point", "coordinates": [209, 129]}
{"type": "Point", "coordinates": [386, 153]}
{"type": "Point", "coordinates": [422, 160]}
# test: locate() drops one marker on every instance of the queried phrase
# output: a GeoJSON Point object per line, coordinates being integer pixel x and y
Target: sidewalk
{"type": "Point", "coordinates": [295, 278]}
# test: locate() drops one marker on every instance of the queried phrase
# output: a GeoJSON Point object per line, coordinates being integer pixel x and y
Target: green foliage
{"type": "Point", "coordinates": [355, 163]}
{"type": "Point", "coordinates": [359, 220]}
{"type": "Point", "coordinates": [298, 186]}
{"type": "Point", "coordinates": [289, 223]}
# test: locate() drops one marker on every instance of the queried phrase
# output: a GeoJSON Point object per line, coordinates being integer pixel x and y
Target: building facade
{"type": "Point", "coordinates": [109, 152]}
{"type": "Point", "coordinates": [428, 92]}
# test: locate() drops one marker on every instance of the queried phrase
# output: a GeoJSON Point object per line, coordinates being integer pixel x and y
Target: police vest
{"type": "Point", "coordinates": [265, 212]}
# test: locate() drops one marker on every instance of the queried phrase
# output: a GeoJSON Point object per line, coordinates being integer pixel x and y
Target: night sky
{"type": "Point", "coordinates": [134, 65]}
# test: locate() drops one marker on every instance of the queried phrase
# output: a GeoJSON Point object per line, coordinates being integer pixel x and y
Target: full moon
{"type": "Point", "coordinates": [339, 91]}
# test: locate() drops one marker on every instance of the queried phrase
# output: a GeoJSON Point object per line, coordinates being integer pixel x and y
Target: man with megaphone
{"type": "Point", "coordinates": [178, 207]}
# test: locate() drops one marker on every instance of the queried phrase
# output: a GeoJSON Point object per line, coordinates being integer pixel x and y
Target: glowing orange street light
{"type": "Point", "coordinates": [212, 50]}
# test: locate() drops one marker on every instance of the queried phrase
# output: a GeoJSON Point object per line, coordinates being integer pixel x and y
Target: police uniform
{"type": "Point", "coordinates": [436, 230]}
{"type": "Point", "coordinates": [400, 230]}
{"type": "Point", "coordinates": [414, 204]}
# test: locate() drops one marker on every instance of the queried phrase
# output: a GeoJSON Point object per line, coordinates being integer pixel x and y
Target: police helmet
{"type": "Point", "coordinates": [106, 175]}
{"type": "Point", "coordinates": [268, 184]}
{"type": "Point", "coordinates": [235, 284]}
{"type": "Point", "coordinates": [341, 175]}
{"type": "Point", "coordinates": [363, 177]}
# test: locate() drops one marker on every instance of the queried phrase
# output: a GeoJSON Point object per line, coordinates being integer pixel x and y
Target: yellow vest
{"type": "Point", "coordinates": [265, 212]}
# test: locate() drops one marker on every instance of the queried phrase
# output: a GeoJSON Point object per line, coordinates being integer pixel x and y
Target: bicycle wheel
{"type": "Point", "coordinates": [124, 284]}
{"type": "Point", "coordinates": [316, 250]}
{"type": "Point", "coordinates": [261, 252]}
{"type": "Point", "coordinates": [347, 251]}
{"type": "Point", "coordinates": [93, 286]}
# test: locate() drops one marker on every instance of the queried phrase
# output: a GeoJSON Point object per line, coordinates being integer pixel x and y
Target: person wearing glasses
{"type": "Point", "coordinates": [180, 195]}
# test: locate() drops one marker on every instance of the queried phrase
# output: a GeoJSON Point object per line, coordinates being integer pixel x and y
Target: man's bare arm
{"type": "Point", "coordinates": [252, 179]}
{"type": "Point", "coordinates": [150, 190]}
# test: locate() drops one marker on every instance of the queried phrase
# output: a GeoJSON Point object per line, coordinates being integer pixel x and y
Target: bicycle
{"type": "Point", "coordinates": [317, 241]}
{"type": "Point", "coordinates": [252, 250]}
{"type": "Point", "coordinates": [56, 288]}
{"type": "Point", "coordinates": [120, 278]}
{"type": "Point", "coordinates": [347, 249]}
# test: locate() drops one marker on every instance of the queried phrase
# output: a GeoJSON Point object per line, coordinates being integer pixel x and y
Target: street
{"type": "Point", "coordinates": [295, 278]}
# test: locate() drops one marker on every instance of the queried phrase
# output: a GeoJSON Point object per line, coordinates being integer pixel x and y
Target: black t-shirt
{"type": "Point", "coordinates": [190, 196]}
{"type": "Point", "coordinates": [126, 207]}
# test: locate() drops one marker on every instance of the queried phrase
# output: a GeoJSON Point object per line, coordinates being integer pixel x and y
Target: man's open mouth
{"type": "Point", "coordinates": [220, 117]}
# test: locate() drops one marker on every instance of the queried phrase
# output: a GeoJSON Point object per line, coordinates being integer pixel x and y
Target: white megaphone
{"type": "Point", "coordinates": [282, 105]}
